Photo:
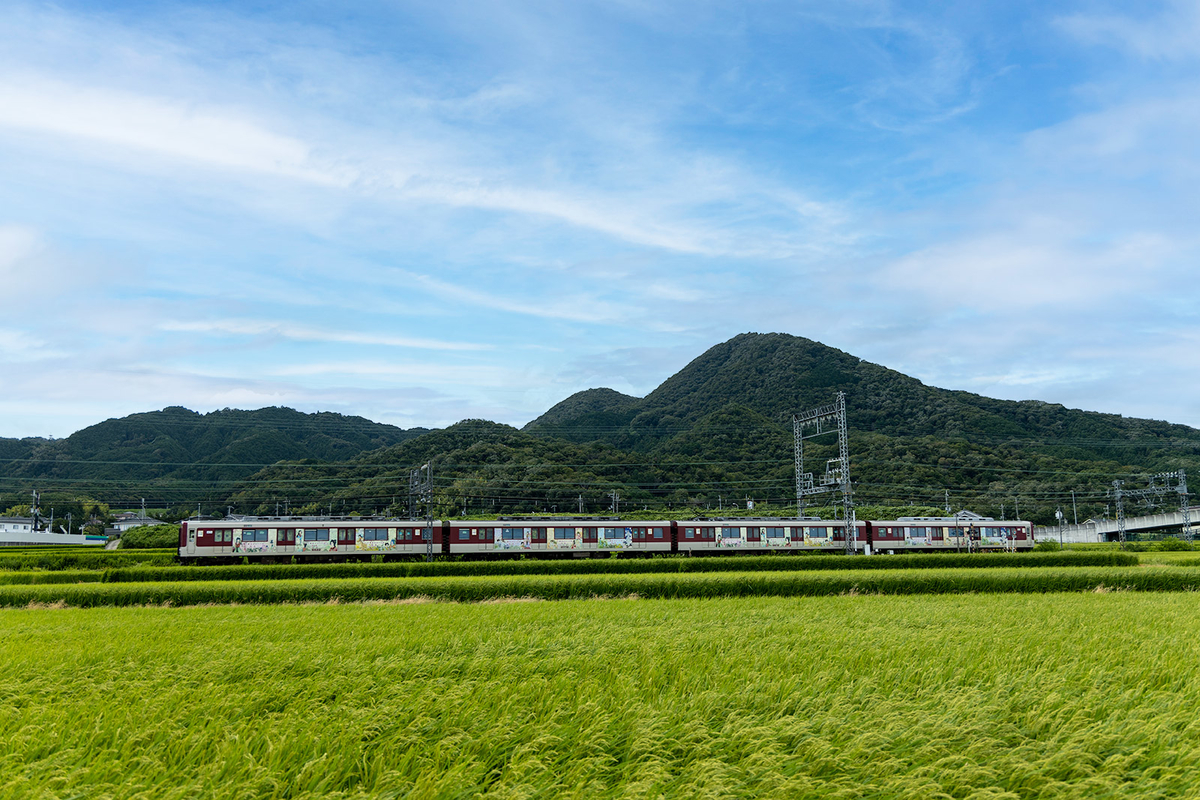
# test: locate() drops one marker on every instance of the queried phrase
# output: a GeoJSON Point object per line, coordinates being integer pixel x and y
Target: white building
{"type": "Point", "coordinates": [16, 524]}
{"type": "Point", "coordinates": [16, 531]}
{"type": "Point", "coordinates": [125, 523]}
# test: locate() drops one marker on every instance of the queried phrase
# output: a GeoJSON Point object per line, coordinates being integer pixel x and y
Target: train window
{"type": "Point", "coordinates": [464, 534]}
{"type": "Point", "coordinates": [690, 532]}
{"type": "Point", "coordinates": [514, 533]}
{"type": "Point", "coordinates": [564, 533]}
{"type": "Point", "coordinates": [316, 534]}
{"type": "Point", "coordinates": [658, 533]}
{"type": "Point", "coordinates": [254, 536]}
{"type": "Point", "coordinates": [818, 533]}
{"type": "Point", "coordinates": [227, 536]}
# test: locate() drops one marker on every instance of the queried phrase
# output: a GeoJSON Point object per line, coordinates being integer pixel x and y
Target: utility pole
{"type": "Point", "coordinates": [817, 422]}
{"type": "Point", "coordinates": [1074, 509]}
{"type": "Point", "coordinates": [1171, 482]}
{"type": "Point", "coordinates": [420, 486]}
{"type": "Point", "coordinates": [947, 501]}
{"type": "Point", "coordinates": [34, 512]}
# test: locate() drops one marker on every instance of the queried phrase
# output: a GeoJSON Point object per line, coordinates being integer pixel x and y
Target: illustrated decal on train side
{"type": "Point", "coordinates": [564, 538]}
{"type": "Point", "coordinates": [374, 539]}
{"type": "Point", "coordinates": [613, 538]}
{"type": "Point", "coordinates": [252, 541]}
{"type": "Point", "coordinates": [774, 537]}
{"type": "Point", "coordinates": [816, 536]}
{"type": "Point", "coordinates": [310, 540]}
{"type": "Point", "coordinates": [513, 538]}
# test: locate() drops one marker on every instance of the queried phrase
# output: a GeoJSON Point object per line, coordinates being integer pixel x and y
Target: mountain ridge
{"type": "Point", "coordinates": [717, 428]}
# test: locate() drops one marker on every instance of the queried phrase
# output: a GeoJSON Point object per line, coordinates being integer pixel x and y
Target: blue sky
{"type": "Point", "coordinates": [421, 212]}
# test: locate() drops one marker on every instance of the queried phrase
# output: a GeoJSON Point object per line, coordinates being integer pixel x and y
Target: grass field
{"type": "Point", "coordinates": [974, 696]}
{"type": "Point", "coordinates": [1158, 578]}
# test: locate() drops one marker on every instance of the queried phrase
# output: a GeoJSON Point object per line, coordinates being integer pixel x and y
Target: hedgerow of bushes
{"type": "Point", "coordinates": [563, 587]}
{"type": "Point", "coordinates": [84, 559]}
{"type": "Point", "coordinates": [146, 537]}
{"type": "Point", "coordinates": [619, 566]}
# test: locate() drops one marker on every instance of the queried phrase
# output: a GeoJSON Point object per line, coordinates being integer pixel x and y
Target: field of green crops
{"type": "Point", "coordinates": [566, 587]}
{"type": "Point", "coordinates": [969, 696]}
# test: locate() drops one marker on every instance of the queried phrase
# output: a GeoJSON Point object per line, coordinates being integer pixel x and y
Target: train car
{"type": "Point", "coordinates": [265, 537]}
{"type": "Point", "coordinates": [917, 534]}
{"type": "Point", "coordinates": [708, 537]}
{"type": "Point", "coordinates": [557, 537]}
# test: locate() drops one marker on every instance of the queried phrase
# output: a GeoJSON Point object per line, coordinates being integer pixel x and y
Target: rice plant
{"type": "Point", "coordinates": [1080, 696]}
{"type": "Point", "coordinates": [654, 585]}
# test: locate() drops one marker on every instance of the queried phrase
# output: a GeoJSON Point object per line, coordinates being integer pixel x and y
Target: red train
{"type": "Point", "coordinates": [315, 539]}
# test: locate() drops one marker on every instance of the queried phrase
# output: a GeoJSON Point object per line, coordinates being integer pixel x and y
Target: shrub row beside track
{"type": "Point", "coordinates": [414, 569]}
{"type": "Point", "coordinates": [621, 566]}
{"type": "Point", "coordinates": [95, 558]}
{"type": "Point", "coordinates": [563, 587]}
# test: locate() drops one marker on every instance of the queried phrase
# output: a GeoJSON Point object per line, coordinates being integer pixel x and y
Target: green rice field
{"type": "Point", "coordinates": [569, 586]}
{"type": "Point", "coordinates": [1087, 695]}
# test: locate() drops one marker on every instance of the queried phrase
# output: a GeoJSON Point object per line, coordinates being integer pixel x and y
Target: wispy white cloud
{"type": "Point", "coordinates": [1171, 33]}
{"type": "Point", "coordinates": [1011, 271]}
{"type": "Point", "coordinates": [416, 372]}
{"type": "Point", "coordinates": [239, 327]}
{"type": "Point", "coordinates": [165, 126]}
{"type": "Point", "coordinates": [576, 306]}
{"type": "Point", "coordinates": [18, 346]}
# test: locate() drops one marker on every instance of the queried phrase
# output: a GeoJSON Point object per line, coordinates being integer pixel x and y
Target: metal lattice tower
{"type": "Point", "coordinates": [817, 422]}
{"type": "Point", "coordinates": [1170, 482]}
{"type": "Point", "coordinates": [1181, 488]}
{"type": "Point", "coordinates": [420, 487]}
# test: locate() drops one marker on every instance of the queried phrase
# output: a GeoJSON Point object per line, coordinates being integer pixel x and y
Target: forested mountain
{"type": "Point", "coordinates": [775, 375]}
{"type": "Point", "coordinates": [178, 447]}
{"type": "Point", "coordinates": [719, 430]}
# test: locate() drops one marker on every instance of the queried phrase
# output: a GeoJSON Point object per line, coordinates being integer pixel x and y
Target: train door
{"type": "Point", "coordinates": [191, 538]}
